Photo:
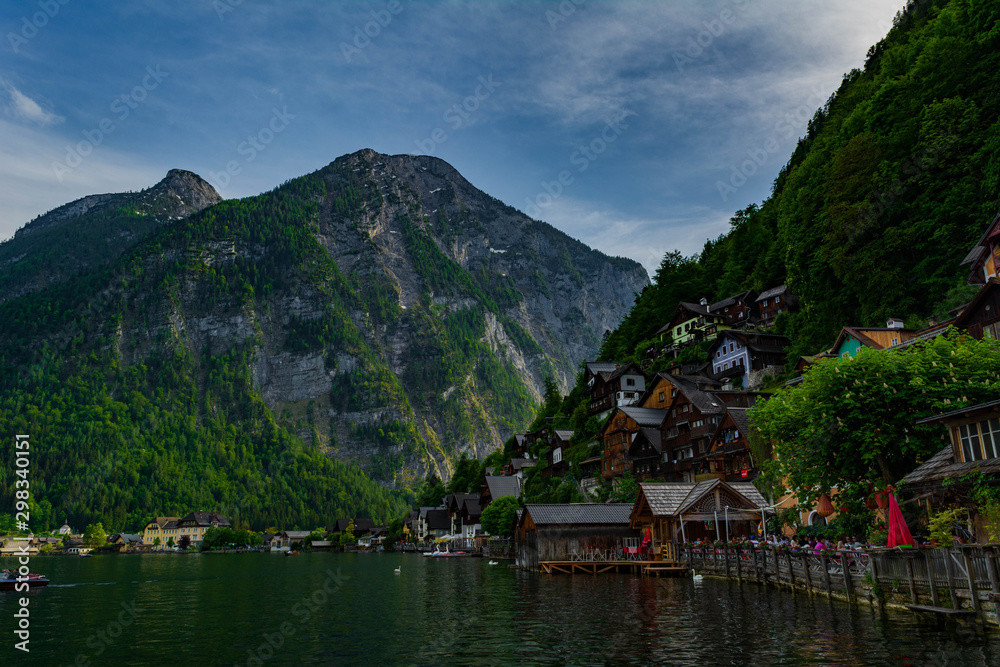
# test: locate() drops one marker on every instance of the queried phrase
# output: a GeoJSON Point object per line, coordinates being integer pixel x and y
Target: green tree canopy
{"type": "Point", "coordinates": [851, 422]}
{"type": "Point", "coordinates": [94, 535]}
{"type": "Point", "coordinates": [499, 516]}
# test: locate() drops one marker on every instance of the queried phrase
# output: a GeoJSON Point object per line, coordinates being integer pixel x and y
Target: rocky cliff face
{"type": "Point", "coordinates": [392, 314]}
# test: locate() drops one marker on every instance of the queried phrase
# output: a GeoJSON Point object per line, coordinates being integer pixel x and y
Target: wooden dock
{"type": "Point", "coordinates": [593, 567]}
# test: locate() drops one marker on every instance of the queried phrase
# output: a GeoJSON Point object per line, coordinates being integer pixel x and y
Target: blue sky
{"type": "Point", "coordinates": [641, 109]}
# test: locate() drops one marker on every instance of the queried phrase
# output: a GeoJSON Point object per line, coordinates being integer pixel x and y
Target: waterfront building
{"type": "Point", "coordinates": [686, 511]}
{"type": "Point", "coordinates": [195, 524]}
{"type": "Point", "coordinates": [564, 532]}
{"type": "Point", "coordinates": [162, 527]}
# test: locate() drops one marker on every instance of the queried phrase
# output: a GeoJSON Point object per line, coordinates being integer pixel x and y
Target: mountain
{"type": "Point", "coordinates": [895, 180]}
{"type": "Point", "coordinates": [94, 230]}
{"type": "Point", "coordinates": [378, 315]}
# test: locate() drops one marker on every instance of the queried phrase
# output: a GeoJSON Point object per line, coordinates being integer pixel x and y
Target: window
{"type": "Point", "coordinates": [895, 341]}
{"type": "Point", "coordinates": [777, 300]}
{"type": "Point", "coordinates": [980, 441]}
{"type": "Point", "coordinates": [764, 302]}
{"type": "Point", "coordinates": [630, 382]}
{"type": "Point", "coordinates": [662, 397]}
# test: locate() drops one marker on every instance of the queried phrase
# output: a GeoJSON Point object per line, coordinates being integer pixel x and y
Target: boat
{"type": "Point", "coordinates": [292, 553]}
{"type": "Point", "coordinates": [9, 580]}
{"type": "Point", "coordinates": [437, 553]}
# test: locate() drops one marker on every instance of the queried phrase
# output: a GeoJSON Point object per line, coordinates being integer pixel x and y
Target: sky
{"type": "Point", "coordinates": [636, 127]}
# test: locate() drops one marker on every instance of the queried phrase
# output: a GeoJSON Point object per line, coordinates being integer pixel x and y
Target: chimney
{"type": "Point", "coordinates": [894, 323]}
{"type": "Point", "coordinates": [703, 301]}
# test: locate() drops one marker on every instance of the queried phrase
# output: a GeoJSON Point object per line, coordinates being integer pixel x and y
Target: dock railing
{"type": "Point", "coordinates": [959, 578]}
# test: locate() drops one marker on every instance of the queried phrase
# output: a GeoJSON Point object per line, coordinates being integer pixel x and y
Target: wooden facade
{"type": "Point", "coordinates": [617, 435]}
{"type": "Point", "coordinates": [560, 532]}
{"type": "Point", "coordinates": [981, 317]}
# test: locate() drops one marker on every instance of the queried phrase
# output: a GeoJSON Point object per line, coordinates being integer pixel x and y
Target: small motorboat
{"type": "Point", "coordinates": [292, 553]}
{"type": "Point", "coordinates": [9, 580]}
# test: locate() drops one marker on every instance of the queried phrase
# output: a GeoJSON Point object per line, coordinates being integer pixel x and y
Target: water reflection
{"type": "Point", "coordinates": [219, 609]}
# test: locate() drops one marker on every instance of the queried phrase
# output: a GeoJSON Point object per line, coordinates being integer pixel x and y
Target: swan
{"type": "Point", "coordinates": [396, 571]}
{"type": "Point", "coordinates": [697, 577]}
{"type": "Point", "coordinates": [493, 562]}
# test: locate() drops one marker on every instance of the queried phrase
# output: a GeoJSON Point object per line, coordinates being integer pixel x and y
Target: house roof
{"type": "Point", "coordinates": [740, 418]}
{"type": "Point", "coordinates": [973, 305]}
{"type": "Point", "coordinates": [471, 507]}
{"type": "Point", "coordinates": [520, 464]}
{"type": "Point", "coordinates": [961, 412]}
{"type": "Point", "coordinates": [564, 435]}
{"type": "Point", "coordinates": [977, 251]}
{"type": "Point", "coordinates": [295, 534]}
{"type": "Point", "coordinates": [754, 340]}
{"type": "Point", "coordinates": [645, 416]}
{"type": "Point", "coordinates": [580, 514]}
{"type": "Point", "coordinates": [774, 291]}
{"type": "Point", "coordinates": [628, 369]}
{"type": "Point", "coordinates": [596, 367]}
{"type": "Point", "coordinates": [198, 519]}
{"type": "Point", "coordinates": [675, 498]}
{"type": "Point", "coordinates": [942, 466]}
{"type": "Point", "coordinates": [438, 519]}
{"type": "Point", "coordinates": [651, 435]}
{"type": "Point", "coordinates": [503, 485]}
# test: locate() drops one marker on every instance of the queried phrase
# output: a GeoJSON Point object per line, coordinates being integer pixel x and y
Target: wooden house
{"type": "Point", "coordinates": [981, 316]}
{"type": "Point", "coordinates": [746, 357]}
{"type": "Point", "coordinates": [852, 339]}
{"type": "Point", "coordinates": [617, 434]}
{"type": "Point", "coordinates": [973, 436]}
{"type": "Point", "coordinates": [645, 453]}
{"type": "Point", "coordinates": [739, 310]}
{"type": "Point", "coordinates": [984, 257]}
{"type": "Point", "coordinates": [559, 532]}
{"type": "Point", "coordinates": [773, 302]}
{"type": "Point", "coordinates": [691, 323]}
{"type": "Point", "coordinates": [678, 512]}
{"type": "Point", "coordinates": [609, 389]}
{"type": "Point", "coordinates": [555, 456]}
{"type": "Point", "coordinates": [729, 458]}
{"type": "Point", "coordinates": [498, 486]}
{"type": "Point", "coordinates": [688, 428]}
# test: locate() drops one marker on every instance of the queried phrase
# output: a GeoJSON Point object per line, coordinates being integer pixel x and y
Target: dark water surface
{"type": "Point", "coordinates": [327, 609]}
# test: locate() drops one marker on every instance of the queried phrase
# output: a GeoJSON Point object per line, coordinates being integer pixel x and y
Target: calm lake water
{"type": "Point", "coordinates": [332, 609]}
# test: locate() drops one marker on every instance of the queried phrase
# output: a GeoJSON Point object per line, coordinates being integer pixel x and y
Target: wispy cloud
{"type": "Point", "coordinates": [22, 107]}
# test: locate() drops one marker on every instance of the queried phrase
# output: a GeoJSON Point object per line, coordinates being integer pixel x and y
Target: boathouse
{"type": "Point", "coordinates": [677, 512]}
{"type": "Point", "coordinates": [567, 532]}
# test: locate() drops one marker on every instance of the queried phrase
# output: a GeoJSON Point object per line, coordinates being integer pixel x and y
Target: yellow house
{"type": "Point", "coordinates": [195, 524]}
{"type": "Point", "coordinates": [163, 527]}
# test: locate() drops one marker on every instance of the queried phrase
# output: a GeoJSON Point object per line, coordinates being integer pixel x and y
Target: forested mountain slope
{"type": "Point", "coordinates": [897, 177]}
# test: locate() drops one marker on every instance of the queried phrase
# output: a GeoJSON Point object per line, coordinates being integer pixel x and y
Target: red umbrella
{"type": "Point", "coordinates": [899, 534]}
{"type": "Point", "coordinates": [646, 539]}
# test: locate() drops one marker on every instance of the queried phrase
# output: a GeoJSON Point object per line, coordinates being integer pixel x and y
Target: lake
{"type": "Point", "coordinates": [331, 609]}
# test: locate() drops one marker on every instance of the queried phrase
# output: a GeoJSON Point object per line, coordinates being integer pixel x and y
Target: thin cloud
{"type": "Point", "coordinates": [23, 107]}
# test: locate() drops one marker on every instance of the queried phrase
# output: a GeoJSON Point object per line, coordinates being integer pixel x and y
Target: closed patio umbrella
{"type": "Point", "coordinates": [899, 533]}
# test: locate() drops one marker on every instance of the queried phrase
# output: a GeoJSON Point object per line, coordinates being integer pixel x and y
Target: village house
{"type": "Point", "coordinates": [125, 542]}
{"type": "Point", "coordinates": [678, 512]}
{"type": "Point", "coordinates": [195, 524]}
{"type": "Point", "coordinates": [455, 503]}
{"type": "Point", "coordinates": [618, 433]}
{"type": "Point", "coordinates": [739, 310]}
{"type": "Point", "coordinates": [691, 323]}
{"type": "Point", "coordinates": [610, 385]}
{"type": "Point", "coordinates": [852, 339]}
{"type": "Point", "coordinates": [293, 539]}
{"type": "Point", "coordinates": [645, 453]}
{"type": "Point", "coordinates": [729, 458]}
{"type": "Point", "coordinates": [556, 464]}
{"type": "Point", "coordinates": [160, 530]}
{"type": "Point", "coordinates": [973, 435]}
{"type": "Point", "coordinates": [984, 257]}
{"type": "Point", "coordinates": [688, 427]}
{"type": "Point", "coordinates": [471, 517]}
{"type": "Point", "coordinates": [745, 358]}
{"type": "Point", "coordinates": [564, 532]}
{"type": "Point", "coordinates": [773, 302]}
{"type": "Point", "coordinates": [498, 486]}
